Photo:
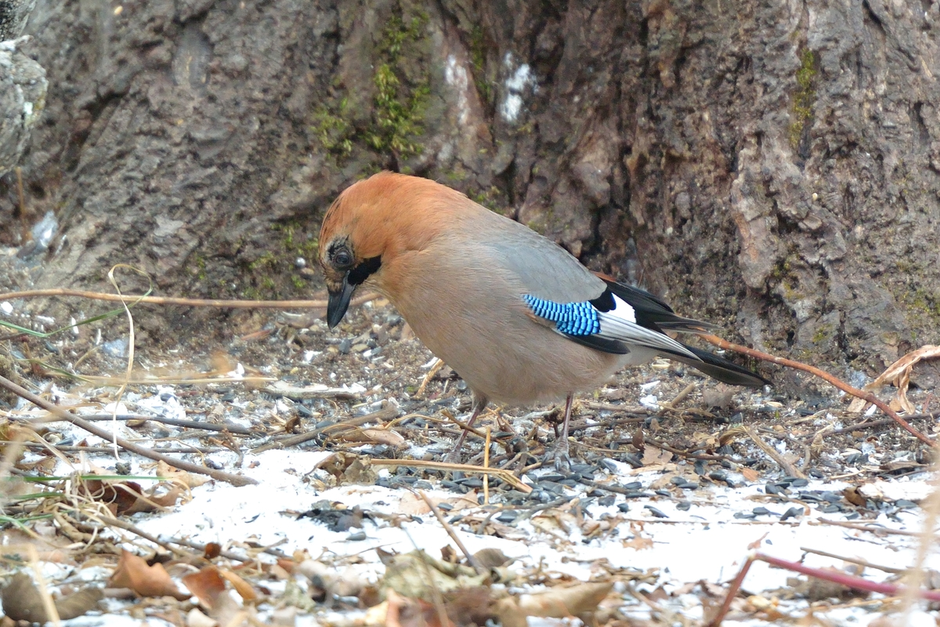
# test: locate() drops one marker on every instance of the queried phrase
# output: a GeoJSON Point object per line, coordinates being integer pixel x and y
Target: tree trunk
{"type": "Point", "coordinates": [769, 166]}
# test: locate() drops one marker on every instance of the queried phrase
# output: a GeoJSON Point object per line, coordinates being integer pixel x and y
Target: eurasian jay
{"type": "Point", "coordinates": [514, 314]}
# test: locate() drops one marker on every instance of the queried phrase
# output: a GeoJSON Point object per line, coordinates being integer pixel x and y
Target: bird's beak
{"type": "Point", "coordinates": [339, 302]}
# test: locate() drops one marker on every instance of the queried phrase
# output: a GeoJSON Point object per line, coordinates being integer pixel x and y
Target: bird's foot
{"type": "Point", "coordinates": [559, 455]}
{"type": "Point", "coordinates": [454, 457]}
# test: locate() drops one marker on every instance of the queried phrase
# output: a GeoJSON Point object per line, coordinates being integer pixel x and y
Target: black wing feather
{"type": "Point", "coordinates": [651, 312]}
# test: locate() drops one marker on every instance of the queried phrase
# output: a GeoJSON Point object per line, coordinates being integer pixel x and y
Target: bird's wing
{"type": "Point", "coordinates": [543, 268]}
{"type": "Point", "coordinates": [560, 291]}
{"type": "Point", "coordinates": [607, 323]}
{"type": "Point", "coordinates": [596, 311]}
{"type": "Point", "coordinates": [651, 311]}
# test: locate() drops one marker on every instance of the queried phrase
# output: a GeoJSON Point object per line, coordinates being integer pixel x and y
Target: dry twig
{"type": "Point", "coordinates": [787, 466]}
{"type": "Point", "coordinates": [61, 414]}
{"type": "Point", "coordinates": [842, 385]}
{"type": "Point", "coordinates": [187, 302]}
{"type": "Point", "coordinates": [450, 531]}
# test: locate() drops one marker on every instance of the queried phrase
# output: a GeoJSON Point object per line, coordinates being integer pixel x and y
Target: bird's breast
{"type": "Point", "coordinates": [470, 312]}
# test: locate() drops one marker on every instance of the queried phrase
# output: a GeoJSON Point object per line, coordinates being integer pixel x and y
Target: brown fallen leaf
{"type": "Point", "coordinates": [853, 496]}
{"type": "Point", "coordinates": [373, 436]}
{"type": "Point", "coordinates": [405, 612]}
{"type": "Point", "coordinates": [492, 558]}
{"type": "Point", "coordinates": [638, 541]}
{"type": "Point", "coordinates": [653, 455]}
{"type": "Point", "coordinates": [470, 606]}
{"type": "Point", "coordinates": [165, 471]}
{"type": "Point", "coordinates": [420, 576]}
{"type": "Point", "coordinates": [23, 601]}
{"type": "Point", "coordinates": [756, 544]}
{"type": "Point", "coordinates": [899, 375]}
{"type": "Point", "coordinates": [127, 497]}
{"type": "Point", "coordinates": [147, 581]}
{"type": "Point", "coordinates": [413, 505]}
{"type": "Point", "coordinates": [242, 587]}
{"type": "Point", "coordinates": [558, 602]}
{"type": "Point", "coordinates": [750, 474]}
{"type": "Point", "coordinates": [195, 618]}
{"type": "Point", "coordinates": [206, 585]}
{"type": "Point", "coordinates": [78, 603]}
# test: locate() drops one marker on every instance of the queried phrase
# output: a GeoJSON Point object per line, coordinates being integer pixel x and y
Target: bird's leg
{"type": "Point", "coordinates": [479, 404]}
{"type": "Point", "coordinates": [560, 450]}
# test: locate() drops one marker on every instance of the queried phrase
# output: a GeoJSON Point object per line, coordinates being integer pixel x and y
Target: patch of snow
{"type": "Point", "coordinates": [650, 401]}
{"type": "Point", "coordinates": [164, 403]}
{"type": "Point", "coordinates": [456, 76]}
{"type": "Point", "coordinates": [520, 79]}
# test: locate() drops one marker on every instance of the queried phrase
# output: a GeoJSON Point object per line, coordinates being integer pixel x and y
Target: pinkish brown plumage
{"type": "Point", "coordinates": [518, 317]}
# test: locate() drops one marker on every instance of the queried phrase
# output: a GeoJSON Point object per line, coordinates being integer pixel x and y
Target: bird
{"type": "Point", "coordinates": [517, 316]}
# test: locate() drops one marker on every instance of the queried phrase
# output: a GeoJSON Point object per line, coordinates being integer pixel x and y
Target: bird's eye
{"type": "Point", "coordinates": [342, 258]}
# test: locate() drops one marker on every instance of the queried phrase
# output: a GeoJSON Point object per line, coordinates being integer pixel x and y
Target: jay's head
{"type": "Point", "coordinates": [369, 226]}
{"type": "Point", "coordinates": [350, 246]}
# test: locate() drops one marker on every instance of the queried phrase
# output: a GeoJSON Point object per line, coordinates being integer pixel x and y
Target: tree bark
{"type": "Point", "coordinates": [769, 166]}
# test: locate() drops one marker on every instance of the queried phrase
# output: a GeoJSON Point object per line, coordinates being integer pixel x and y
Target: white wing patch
{"type": "Point", "coordinates": [620, 324]}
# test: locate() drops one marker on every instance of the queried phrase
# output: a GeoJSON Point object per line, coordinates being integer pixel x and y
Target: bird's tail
{"type": "Point", "coordinates": [721, 369]}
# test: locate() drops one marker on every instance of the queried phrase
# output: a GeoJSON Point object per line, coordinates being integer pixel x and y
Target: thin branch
{"type": "Point", "coordinates": [842, 385]}
{"type": "Point", "coordinates": [854, 560]}
{"type": "Point", "coordinates": [771, 452]}
{"type": "Point", "coordinates": [236, 480]}
{"type": "Point", "coordinates": [173, 422]}
{"type": "Point", "coordinates": [849, 581]}
{"type": "Point", "coordinates": [187, 302]}
{"type": "Point", "coordinates": [386, 413]}
{"type": "Point", "coordinates": [450, 531]}
{"type": "Point", "coordinates": [505, 475]}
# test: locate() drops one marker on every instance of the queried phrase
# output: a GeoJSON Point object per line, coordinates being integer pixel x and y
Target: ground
{"type": "Point", "coordinates": [662, 506]}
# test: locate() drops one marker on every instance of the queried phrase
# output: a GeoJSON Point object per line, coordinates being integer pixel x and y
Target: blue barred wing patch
{"type": "Point", "coordinates": [578, 319]}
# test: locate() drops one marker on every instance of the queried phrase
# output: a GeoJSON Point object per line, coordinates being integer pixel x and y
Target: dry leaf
{"type": "Point", "coordinates": [405, 612]}
{"type": "Point", "coordinates": [853, 496]}
{"type": "Point", "coordinates": [118, 496]}
{"type": "Point", "coordinates": [750, 475]}
{"type": "Point", "coordinates": [373, 436]}
{"type": "Point", "coordinates": [469, 606]}
{"type": "Point", "coordinates": [417, 574]}
{"type": "Point", "coordinates": [127, 497]}
{"type": "Point", "coordinates": [206, 585]}
{"type": "Point", "coordinates": [413, 505]}
{"type": "Point", "coordinates": [78, 603]}
{"type": "Point", "coordinates": [899, 375]}
{"type": "Point", "coordinates": [195, 618]}
{"type": "Point", "coordinates": [145, 580]}
{"type": "Point", "coordinates": [171, 473]}
{"type": "Point", "coordinates": [22, 601]}
{"type": "Point", "coordinates": [753, 546]}
{"type": "Point", "coordinates": [638, 541]}
{"type": "Point", "coordinates": [492, 558]}
{"type": "Point", "coordinates": [242, 587]}
{"type": "Point", "coordinates": [561, 602]}
{"type": "Point", "coordinates": [653, 455]}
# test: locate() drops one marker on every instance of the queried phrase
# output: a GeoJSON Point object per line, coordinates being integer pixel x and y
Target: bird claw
{"type": "Point", "coordinates": [559, 453]}
{"type": "Point", "coordinates": [453, 457]}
